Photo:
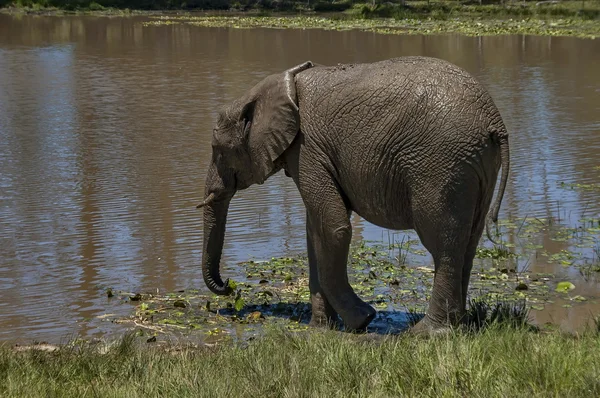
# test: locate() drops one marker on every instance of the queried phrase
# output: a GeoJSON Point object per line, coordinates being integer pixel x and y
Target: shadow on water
{"type": "Point", "coordinates": [295, 312]}
{"type": "Point", "coordinates": [385, 323]}
{"type": "Point", "coordinates": [393, 322]}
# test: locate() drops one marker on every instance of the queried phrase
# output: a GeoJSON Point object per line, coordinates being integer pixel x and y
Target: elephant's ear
{"type": "Point", "coordinates": [272, 120]}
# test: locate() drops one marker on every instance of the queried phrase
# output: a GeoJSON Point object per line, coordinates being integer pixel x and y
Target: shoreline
{"type": "Point", "coordinates": [423, 20]}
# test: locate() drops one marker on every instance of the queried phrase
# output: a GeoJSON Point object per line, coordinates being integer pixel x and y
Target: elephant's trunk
{"type": "Point", "coordinates": [215, 217]}
{"type": "Point", "coordinates": [216, 207]}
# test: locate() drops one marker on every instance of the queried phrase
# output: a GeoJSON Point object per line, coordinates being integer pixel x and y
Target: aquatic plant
{"type": "Point", "coordinates": [469, 26]}
{"type": "Point", "coordinates": [275, 292]}
{"type": "Point", "coordinates": [483, 314]}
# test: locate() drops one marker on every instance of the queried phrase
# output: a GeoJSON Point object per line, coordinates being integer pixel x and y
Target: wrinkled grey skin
{"type": "Point", "coordinates": [407, 143]}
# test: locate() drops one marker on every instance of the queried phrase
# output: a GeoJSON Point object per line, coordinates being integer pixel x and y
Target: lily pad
{"type": "Point", "coordinates": [239, 302]}
{"type": "Point", "coordinates": [564, 287]}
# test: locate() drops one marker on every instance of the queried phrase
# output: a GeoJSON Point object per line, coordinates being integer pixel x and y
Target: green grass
{"type": "Point", "coordinates": [499, 362]}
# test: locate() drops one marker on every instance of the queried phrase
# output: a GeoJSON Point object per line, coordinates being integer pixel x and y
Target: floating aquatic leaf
{"type": "Point", "coordinates": [255, 316]}
{"type": "Point", "coordinates": [564, 287]}
{"type": "Point", "coordinates": [170, 321]}
{"type": "Point", "coordinates": [239, 302]}
{"type": "Point", "coordinates": [495, 253]}
{"type": "Point", "coordinates": [215, 331]}
{"type": "Point", "coordinates": [425, 269]}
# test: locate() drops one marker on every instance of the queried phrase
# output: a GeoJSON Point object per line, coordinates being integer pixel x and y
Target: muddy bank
{"type": "Point", "coordinates": [275, 292]}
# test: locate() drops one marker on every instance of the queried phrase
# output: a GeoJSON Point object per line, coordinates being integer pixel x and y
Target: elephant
{"type": "Point", "coordinates": [406, 143]}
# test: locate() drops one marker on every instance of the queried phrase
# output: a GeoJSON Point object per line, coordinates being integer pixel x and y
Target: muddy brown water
{"type": "Point", "coordinates": [105, 137]}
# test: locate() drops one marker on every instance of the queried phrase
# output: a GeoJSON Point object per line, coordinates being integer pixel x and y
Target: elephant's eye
{"type": "Point", "coordinates": [218, 155]}
{"type": "Point", "coordinates": [247, 126]}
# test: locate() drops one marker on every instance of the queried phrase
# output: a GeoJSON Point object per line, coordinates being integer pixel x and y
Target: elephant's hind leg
{"type": "Point", "coordinates": [446, 235]}
{"type": "Point", "coordinates": [476, 232]}
{"type": "Point", "coordinates": [478, 227]}
{"type": "Point", "coordinates": [323, 313]}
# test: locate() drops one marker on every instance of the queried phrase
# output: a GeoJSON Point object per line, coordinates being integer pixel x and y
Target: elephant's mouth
{"type": "Point", "coordinates": [219, 195]}
{"type": "Point", "coordinates": [240, 183]}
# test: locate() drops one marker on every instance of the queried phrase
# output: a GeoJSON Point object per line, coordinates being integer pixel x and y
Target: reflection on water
{"type": "Point", "coordinates": [105, 137]}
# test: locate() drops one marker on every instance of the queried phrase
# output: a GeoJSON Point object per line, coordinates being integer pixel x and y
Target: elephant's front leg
{"type": "Point", "coordinates": [323, 313]}
{"type": "Point", "coordinates": [330, 229]}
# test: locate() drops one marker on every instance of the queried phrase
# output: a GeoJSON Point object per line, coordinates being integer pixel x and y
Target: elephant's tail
{"type": "Point", "coordinates": [492, 216]}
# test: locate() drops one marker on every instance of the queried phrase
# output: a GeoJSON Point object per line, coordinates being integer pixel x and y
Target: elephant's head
{"type": "Point", "coordinates": [249, 137]}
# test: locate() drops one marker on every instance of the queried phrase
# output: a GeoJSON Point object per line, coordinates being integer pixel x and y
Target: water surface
{"type": "Point", "coordinates": [105, 132]}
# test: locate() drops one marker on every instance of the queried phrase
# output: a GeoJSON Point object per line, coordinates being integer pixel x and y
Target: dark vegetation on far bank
{"type": "Point", "coordinates": [398, 9]}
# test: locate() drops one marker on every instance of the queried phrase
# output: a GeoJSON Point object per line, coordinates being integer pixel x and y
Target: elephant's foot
{"type": "Point", "coordinates": [324, 321]}
{"type": "Point", "coordinates": [323, 314]}
{"type": "Point", "coordinates": [428, 327]}
{"type": "Point", "coordinates": [358, 316]}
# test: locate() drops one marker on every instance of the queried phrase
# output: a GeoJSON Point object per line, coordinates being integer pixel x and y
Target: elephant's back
{"type": "Point", "coordinates": [402, 102]}
{"type": "Point", "coordinates": [403, 73]}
